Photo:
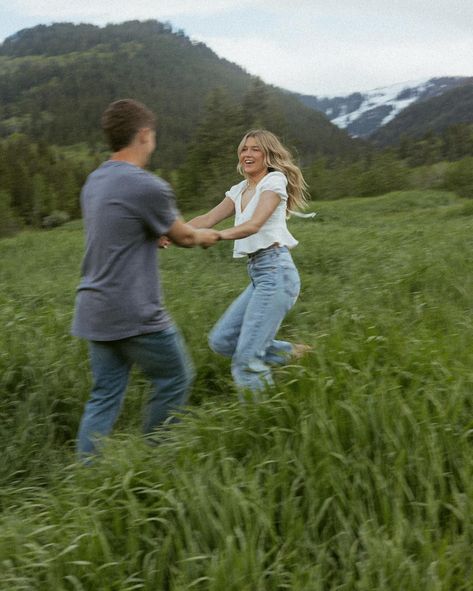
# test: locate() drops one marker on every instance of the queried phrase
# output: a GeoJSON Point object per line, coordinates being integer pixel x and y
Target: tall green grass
{"type": "Point", "coordinates": [355, 472]}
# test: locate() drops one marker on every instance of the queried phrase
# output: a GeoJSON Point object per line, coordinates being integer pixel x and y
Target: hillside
{"type": "Point", "coordinates": [363, 113]}
{"type": "Point", "coordinates": [56, 80]}
{"type": "Point", "coordinates": [435, 114]}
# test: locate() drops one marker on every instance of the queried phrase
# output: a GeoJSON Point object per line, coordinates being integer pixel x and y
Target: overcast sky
{"type": "Point", "coordinates": [309, 46]}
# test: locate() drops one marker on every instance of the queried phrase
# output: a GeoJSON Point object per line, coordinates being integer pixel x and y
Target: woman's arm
{"type": "Point", "coordinates": [220, 212]}
{"type": "Point", "coordinates": [186, 236]}
{"type": "Point", "coordinates": [266, 206]}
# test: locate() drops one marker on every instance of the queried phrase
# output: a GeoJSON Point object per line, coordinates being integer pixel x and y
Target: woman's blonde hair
{"type": "Point", "coordinates": [277, 157]}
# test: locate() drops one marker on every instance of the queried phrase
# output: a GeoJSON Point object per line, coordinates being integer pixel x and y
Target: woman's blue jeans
{"type": "Point", "coordinates": [162, 357]}
{"type": "Point", "coordinates": [246, 331]}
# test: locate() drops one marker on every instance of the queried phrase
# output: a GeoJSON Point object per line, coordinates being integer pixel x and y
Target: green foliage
{"type": "Point", "coordinates": [210, 168]}
{"type": "Point", "coordinates": [428, 176]}
{"type": "Point", "coordinates": [459, 177]}
{"type": "Point", "coordinates": [418, 164]}
{"type": "Point", "coordinates": [355, 472]}
{"type": "Point", "coordinates": [374, 175]}
{"type": "Point", "coordinates": [55, 81]}
{"type": "Point", "coordinates": [37, 180]}
{"type": "Point", "coordinates": [55, 218]}
{"type": "Point", "coordinates": [457, 142]}
{"type": "Point", "coordinates": [260, 110]}
{"type": "Point", "coordinates": [384, 174]}
{"type": "Point", "coordinates": [9, 222]}
{"type": "Point", "coordinates": [454, 143]}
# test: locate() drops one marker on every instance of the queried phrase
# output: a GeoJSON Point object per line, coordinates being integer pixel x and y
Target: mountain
{"type": "Point", "coordinates": [436, 115]}
{"type": "Point", "coordinates": [362, 114]}
{"type": "Point", "coordinates": [56, 80]}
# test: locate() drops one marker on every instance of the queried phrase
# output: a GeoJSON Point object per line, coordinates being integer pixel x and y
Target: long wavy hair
{"type": "Point", "coordinates": [278, 157]}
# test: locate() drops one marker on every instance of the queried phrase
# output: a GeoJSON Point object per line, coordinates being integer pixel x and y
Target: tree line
{"type": "Point", "coordinates": [55, 81]}
{"type": "Point", "coordinates": [433, 161]}
{"type": "Point", "coordinates": [41, 183]}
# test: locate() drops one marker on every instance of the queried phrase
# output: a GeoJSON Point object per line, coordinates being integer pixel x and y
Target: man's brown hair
{"type": "Point", "coordinates": [123, 119]}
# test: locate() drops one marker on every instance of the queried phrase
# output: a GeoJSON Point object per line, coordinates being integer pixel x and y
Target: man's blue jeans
{"type": "Point", "coordinates": [162, 357]}
{"type": "Point", "coordinates": [247, 329]}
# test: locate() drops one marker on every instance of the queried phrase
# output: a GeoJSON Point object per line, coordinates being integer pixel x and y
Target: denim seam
{"type": "Point", "coordinates": [257, 325]}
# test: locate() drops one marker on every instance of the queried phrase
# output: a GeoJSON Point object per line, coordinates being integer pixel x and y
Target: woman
{"type": "Point", "coordinates": [273, 185]}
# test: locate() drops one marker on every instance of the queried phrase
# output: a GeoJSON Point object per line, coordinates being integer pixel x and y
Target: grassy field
{"type": "Point", "coordinates": [354, 473]}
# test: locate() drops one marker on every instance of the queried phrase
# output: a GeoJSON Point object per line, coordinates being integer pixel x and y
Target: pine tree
{"type": "Point", "coordinates": [9, 222]}
{"type": "Point", "coordinates": [260, 110]}
{"type": "Point", "coordinates": [41, 204]}
{"type": "Point", "coordinates": [212, 157]}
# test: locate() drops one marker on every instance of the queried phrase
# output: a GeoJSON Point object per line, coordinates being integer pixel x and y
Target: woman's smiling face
{"type": "Point", "coordinates": [252, 158]}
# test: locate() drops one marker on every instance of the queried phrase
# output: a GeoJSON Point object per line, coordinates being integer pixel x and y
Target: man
{"type": "Point", "coordinates": [119, 307]}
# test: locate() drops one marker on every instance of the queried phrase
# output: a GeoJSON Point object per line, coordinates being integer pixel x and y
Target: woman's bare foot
{"type": "Point", "coordinates": [300, 349]}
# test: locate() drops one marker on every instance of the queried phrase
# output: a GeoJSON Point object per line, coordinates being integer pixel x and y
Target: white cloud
{"type": "Point", "coordinates": [333, 66]}
{"type": "Point", "coordinates": [310, 46]}
{"type": "Point", "coordinates": [116, 10]}
{"type": "Point", "coordinates": [311, 12]}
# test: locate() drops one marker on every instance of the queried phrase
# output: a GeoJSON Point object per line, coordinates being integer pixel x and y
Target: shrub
{"type": "Point", "coordinates": [459, 178]}
{"type": "Point", "coordinates": [55, 219]}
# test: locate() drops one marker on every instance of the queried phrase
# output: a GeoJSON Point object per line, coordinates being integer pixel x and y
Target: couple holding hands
{"type": "Point", "coordinates": [119, 306]}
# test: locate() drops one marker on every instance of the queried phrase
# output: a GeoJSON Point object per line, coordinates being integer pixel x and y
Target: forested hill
{"type": "Point", "coordinates": [56, 80]}
{"type": "Point", "coordinates": [436, 115]}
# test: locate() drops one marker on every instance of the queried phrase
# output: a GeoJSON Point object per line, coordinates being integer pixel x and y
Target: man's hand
{"type": "Point", "coordinates": [164, 242]}
{"type": "Point", "coordinates": [186, 236]}
{"type": "Point", "coordinates": [206, 238]}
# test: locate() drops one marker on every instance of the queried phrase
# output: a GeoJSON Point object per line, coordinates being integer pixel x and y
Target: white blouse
{"type": "Point", "coordinates": [275, 228]}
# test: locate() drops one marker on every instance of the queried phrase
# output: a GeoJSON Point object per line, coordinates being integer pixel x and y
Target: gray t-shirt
{"type": "Point", "coordinates": [125, 210]}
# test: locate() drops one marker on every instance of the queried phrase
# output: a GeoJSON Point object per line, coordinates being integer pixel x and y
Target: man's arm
{"type": "Point", "coordinates": [186, 236]}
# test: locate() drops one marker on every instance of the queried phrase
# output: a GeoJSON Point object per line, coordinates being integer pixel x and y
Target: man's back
{"type": "Point", "coordinates": [125, 209]}
{"type": "Point", "coordinates": [118, 306]}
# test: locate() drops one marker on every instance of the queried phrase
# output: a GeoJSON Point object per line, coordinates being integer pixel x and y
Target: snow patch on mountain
{"type": "Point", "coordinates": [388, 96]}
{"type": "Point", "coordinates": [362, 113]}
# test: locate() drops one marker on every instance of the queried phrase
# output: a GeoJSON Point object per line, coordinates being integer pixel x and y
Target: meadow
{"type": "Point", "coordinates": [354, 473]}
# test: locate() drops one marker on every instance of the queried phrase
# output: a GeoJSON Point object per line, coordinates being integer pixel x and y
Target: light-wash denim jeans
{"type": "Point", "coordinates": [246, 331]}
{"type": "Point", "coordinates": [162, 357]}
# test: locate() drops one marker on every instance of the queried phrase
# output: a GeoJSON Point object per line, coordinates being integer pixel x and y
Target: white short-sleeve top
{"type": "Point", "coordinates": [274, 230]}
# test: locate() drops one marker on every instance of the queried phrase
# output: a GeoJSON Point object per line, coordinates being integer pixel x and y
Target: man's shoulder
{"type": "Point", "coordinates": [128, 176]}
{"type": "Point", "coordinates": [149, 182]}
{"type": "Point", "coordinates": [153, 181]}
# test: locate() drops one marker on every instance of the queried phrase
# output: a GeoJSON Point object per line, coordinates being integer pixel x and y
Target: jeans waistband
{"type": "Point", "coordinates": [261, 251]}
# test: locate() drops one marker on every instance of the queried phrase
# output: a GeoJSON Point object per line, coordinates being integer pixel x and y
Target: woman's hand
{"type": "Point", "coordinates": [207, 237]}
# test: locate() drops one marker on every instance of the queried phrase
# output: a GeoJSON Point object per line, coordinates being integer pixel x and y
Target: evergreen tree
{"type": "Point", "coordinates": [260, 110]}
{"type": "Point", "coordinates": [9, 222]}
{"type": "Point", "coordinates": [41, 204]}
{"type": "Point", "coordinates": [56, 81]}
{"type": "Point", "coordinates": [40, 180]}
{"type": "Point", "coordinates": [212, 158]}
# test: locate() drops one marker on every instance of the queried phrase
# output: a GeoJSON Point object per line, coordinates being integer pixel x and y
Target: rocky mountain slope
{"type": "Point", "coordinates": [362, 114]}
